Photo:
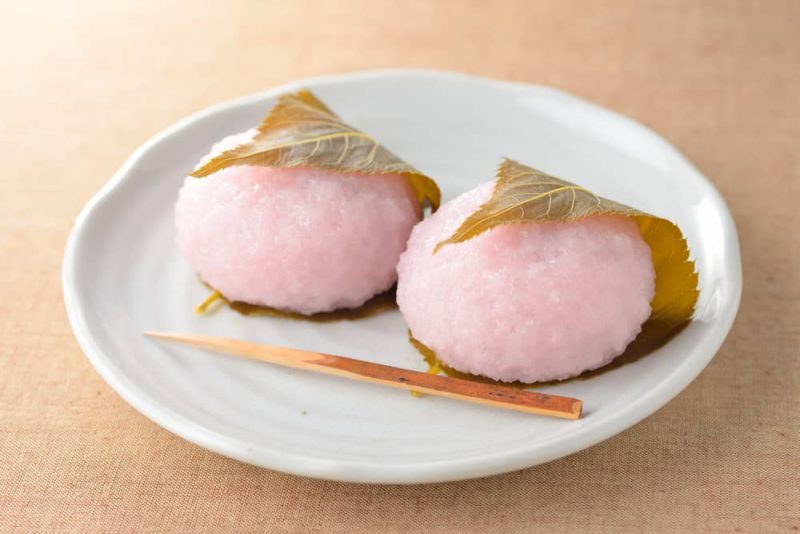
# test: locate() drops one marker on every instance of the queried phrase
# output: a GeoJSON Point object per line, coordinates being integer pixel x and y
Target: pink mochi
{"type": "Point", "coordinates": [528, 302]}
{"type": "Point", "coordinates": [299, 239]}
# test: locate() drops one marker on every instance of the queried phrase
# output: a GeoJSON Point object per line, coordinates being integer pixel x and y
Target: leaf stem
{"type": "Point", "coordinates": [211, 299]}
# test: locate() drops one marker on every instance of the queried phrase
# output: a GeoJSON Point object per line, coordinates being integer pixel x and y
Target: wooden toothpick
{"type": "Point", "coordinates": [443, 386]}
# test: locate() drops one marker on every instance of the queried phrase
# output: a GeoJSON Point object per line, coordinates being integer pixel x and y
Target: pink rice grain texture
{"type": "Point", "coordinates": [299, 239]}
{"type": "Point", "coordinates": [528, 302]}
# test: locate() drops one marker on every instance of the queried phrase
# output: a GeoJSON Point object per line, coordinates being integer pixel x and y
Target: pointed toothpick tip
{"type": "Point", "coordinates": [158, 335]}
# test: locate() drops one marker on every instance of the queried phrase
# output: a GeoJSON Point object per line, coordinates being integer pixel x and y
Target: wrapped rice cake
{"type": "Point", "coordinates": [303, 214]}
{"type": "Point", "coordinates": [530, 278]}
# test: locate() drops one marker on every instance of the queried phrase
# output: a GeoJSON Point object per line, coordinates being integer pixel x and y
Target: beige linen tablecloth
{"type": "Point", "coordinates": [85, 82]}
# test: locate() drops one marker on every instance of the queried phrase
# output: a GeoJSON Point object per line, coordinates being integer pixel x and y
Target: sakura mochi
{"type": "Point", "coordinates": [299, 239]}
{"type": "Point", "coordinates": [529, 302]}
{"type": "Point", "coordinates": [302, 214]}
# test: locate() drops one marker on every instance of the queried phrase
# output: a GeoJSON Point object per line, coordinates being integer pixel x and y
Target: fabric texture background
{"type": "Point", "coordinates": [87, 81]}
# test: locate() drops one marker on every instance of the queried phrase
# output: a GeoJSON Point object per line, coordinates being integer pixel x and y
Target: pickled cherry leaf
{"type": "Point", "coordinates": [301, 131]}
{"type": "Point", "coordinates": [525, 195]}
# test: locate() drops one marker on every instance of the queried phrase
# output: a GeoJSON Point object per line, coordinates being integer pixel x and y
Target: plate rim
{"type": "Point", "coordinates": [397, 473]}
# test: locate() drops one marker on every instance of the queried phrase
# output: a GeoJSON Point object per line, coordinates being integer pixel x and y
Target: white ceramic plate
{"type": "Point", "coordinates": [122, 276]}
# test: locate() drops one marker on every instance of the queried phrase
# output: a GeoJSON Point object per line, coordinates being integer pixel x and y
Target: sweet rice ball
{"type": "Point", "coordinates": [528, 302]}
{"type": "Point", "coordinates": [300, 239]}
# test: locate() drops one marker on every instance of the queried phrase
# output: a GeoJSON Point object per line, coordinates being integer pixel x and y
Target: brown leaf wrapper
{"type": "Point", "coordinates": [525, 195]}
{"type": "Point", "coordinates": [301, 131]}
{"type": "Point", "coordinates": [380, 303]}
